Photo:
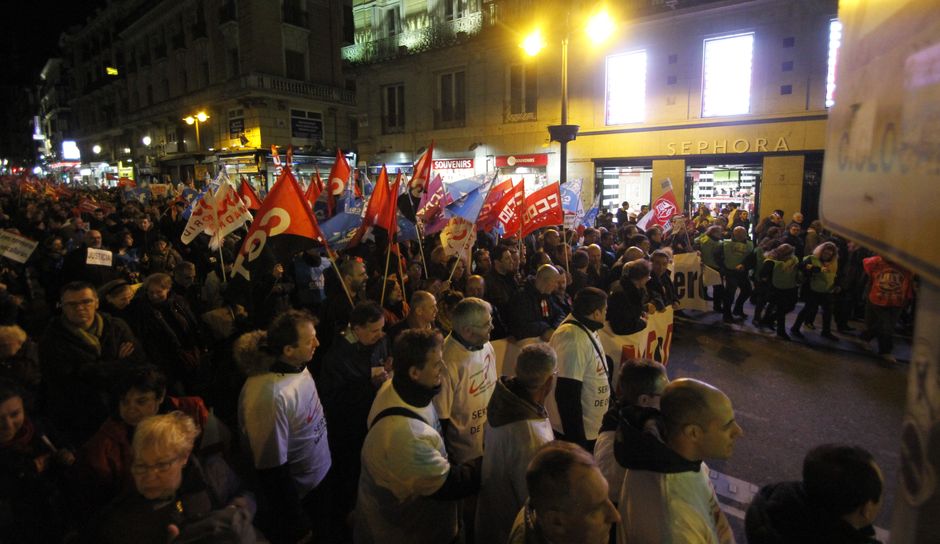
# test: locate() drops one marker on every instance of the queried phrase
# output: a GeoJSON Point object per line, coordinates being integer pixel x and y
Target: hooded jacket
{"type": "Point", "coordinates": [665, 498]}
{"type": "Point", "coordinates": [782, 513]}
{"type": "Point", "coordinates": [516, 428]}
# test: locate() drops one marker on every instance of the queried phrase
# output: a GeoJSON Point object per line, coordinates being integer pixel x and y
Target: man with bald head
{"type": "Point", "coordinates": [669, 481]}
{"type": "Point", "coordinates": [475, 286]}
{"type": "Point", "coordinates": [422, 315]}
{"type": "Point", "coordinates": [532, 312]}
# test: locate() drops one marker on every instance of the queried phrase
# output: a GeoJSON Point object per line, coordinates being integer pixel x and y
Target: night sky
{"type": "Point", "coordinates": [31, 34]}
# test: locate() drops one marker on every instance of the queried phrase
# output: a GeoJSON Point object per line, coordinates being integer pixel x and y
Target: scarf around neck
{"type": "Point", "coordinates": [90, 336]}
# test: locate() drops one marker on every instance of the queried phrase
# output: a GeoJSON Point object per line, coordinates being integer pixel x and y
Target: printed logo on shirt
{"type": "Point", "coordinates": [480, 381]}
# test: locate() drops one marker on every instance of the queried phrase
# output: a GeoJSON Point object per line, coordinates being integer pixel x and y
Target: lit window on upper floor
{"type": "Point", "coordinates": [835, 41]}
{"type": "Point", "coordinates": [726, 89]}
{"type": "Point", "coordinates": [626, 88]}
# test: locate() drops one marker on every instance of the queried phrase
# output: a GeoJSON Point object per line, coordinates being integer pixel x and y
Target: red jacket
{"type": "Point", "coordinates": [105, 460]}
{"type": "Point", "coordinates": [891, 285]}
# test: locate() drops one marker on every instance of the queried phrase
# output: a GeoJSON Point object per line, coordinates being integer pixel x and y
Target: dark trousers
{"type": "Point", "coordinates": [736, 280]}
{"type": "Point", "coordinates": [879, 323]}
{"type": "Point", "coordinates": [815, 301]}
{"type": "Point", "coordinates": [783, 300]}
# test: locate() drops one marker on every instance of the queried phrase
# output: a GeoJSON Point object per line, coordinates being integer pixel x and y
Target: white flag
{"type": "Point", "coordinates": [230, 213]}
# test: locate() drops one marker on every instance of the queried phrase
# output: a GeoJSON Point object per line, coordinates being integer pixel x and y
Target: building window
{"type": "Point", "coordinates": [523, 92]}
{"type": "Point", "coordinates": [786, 89]}
{"type": "Point", "coordinates": [626, 88]}
{"type": "Point", "coordinates": [787, 66]}
{"type": "Point", "coordinates": [452, 104]}
{"type": "Point", "coordinates": [835, 41]}
{"type": "Point", "coordinates": [236, 123]}
{"type": "Point", "coordinates": [295, 64]}
{"type": "Point", "coordinates": [455, 9]}
{"type": "Point", "coordinates": [232, 68]}
{"type": "Point", "coordinates": [393, 109]}
{"type": "Point", "coordinates": [789, 42]}
{"type": "Point", "coordinates": [306, 125]}
{"type": "Point", "coordinates": [393, 21]}
{"type": "Point", "coordinates": [727, 80]}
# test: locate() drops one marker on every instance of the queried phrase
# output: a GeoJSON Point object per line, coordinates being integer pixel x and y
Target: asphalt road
{"type": "Point", "coordinates": [789, 397]}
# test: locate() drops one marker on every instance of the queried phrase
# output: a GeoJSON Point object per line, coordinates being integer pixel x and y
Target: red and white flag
{"type": "Point", "coordinates": [508, 208]}
{"type": "Point", "coordinates": [249, 196]}
{"type": "Point", "coordinates": [458, 236]}
{"type": "Point", "coordinates": [285, 225]}
{"type": "Point", "coordinates": [489, 213]}
{"type": "Point", "coordinates": [422, 170]}
{"type": "Point", "coordinates": [230, 212]}
{"type": "Point", "coordinates": [662, 210]}
{"type": "Point", "coordinates": [336, 184]}
{"type": "Point", "coordinates": [543, 209]}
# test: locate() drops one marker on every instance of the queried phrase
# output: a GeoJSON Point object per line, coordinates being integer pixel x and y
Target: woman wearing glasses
{"type": "Point", "coordinates": [175, 494]}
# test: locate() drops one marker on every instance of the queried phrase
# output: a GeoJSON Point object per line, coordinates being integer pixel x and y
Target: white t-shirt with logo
{"type": "Point", "coordinates": [282, 418]}
{"type": "Point", "coordinates": [467, 383]}
{"type": "Point", "coordinates": [579, 360]}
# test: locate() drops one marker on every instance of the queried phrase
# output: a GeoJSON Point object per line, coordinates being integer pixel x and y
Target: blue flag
{"type": "Point", "coordinates": [461, 188]}
{"type": "Point", "coordinates": [469, 206]}
{"type": "Point", "coordinates": [591, 215]}
{"type": "Point", "coordinates": [406, 229]}
{"type": "Point", "coordinates": [570, 198]}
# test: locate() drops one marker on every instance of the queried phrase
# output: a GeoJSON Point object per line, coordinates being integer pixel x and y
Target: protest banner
{"type": "Point", "coordinates": [690, 278]}
{"type": "Point", "coordinates": [15, 247]}
{"type": "Point", "coordinates": [653, 342]}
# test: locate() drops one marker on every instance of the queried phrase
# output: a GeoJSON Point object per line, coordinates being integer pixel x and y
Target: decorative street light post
{"type": "Point", "coordinates": [195, 120]}
{"type": "Point", "coordinates": [599, 27]}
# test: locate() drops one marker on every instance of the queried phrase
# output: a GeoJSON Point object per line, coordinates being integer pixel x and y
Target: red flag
{"type": "Point", "coordinates": [356, 189]}
{"type": "Point", "coordinates": [315, 188]}
{"type": "Point", "coordinates": [339, 175]}
{"type": "Point", "coordinates": [661, 211]}
{"type": "Point", "coordinates": [249, 196]}
{"type": "Point", "coordinates": [275, 157]}
{"type": "Point", "coordinates": [389, 218]}
{"type": "Point", "coordinates": [422, 170]}
{"type": "Point", "coordinates": [377, 207]}
{"type": "Point", "coordinates": [543, 209]}
{"type": "Point", "coordinates": [489, 213]}
{"type": "Point", "coordinates": [283, 218]}
{"type": "Point", "coordinates": [507, 209]}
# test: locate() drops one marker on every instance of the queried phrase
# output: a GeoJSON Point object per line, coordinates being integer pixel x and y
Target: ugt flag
{"type": "Point", "coordinates": [542, 209]}
{"type": "Point", "coordinates": [662, 210]}
{"type": "Point", "coordinates": [285, 226]}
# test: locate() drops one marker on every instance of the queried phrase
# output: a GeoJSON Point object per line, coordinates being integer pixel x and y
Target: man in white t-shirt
{"type": "Point", "coordinates": [668, 481]}
{"type": "Point", "coordinates": [281, 419]}
{"type": "Point", "coordinates": [409, 491]}
{"type": "Point", "coordinates": [467, 380]}
{"type": "Point", "coordinates": [582, 390]}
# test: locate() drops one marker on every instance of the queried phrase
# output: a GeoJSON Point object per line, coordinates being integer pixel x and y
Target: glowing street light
{"type": "Point", "coordinates": [195, 120]}
{"type": "Point", "coordinates": [533, 43]}
{"type": "Point", "coordinates": [599, 27]}
{"type": "Point", "coordinates": [96, 149]}
{"type": "Point", "coordinates": [146, 140]}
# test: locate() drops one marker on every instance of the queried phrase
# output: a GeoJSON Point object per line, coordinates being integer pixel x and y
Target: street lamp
{"type": "Point", "coordinates": [96, 149]}
{"type": "Point", "coordinates": [600, 26]}
{"type": "Point", "coordinates": [195, 120]}
{"type": "Point", "coordinates": [146, 140]}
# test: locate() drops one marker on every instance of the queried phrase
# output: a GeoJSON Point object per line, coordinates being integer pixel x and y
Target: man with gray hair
{"type": "Point", "coordinates": [516, 427]}
{"type": "Point", "coordinates": [467, 380]}
{"type": "Point", "coordinates": [532, 313]}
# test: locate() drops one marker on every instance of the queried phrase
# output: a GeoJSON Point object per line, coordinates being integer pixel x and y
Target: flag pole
{"type": "Point", "coordinates": [418, 226]}
{"type": "Point", "coordinates": [329, 255]}
{"type": "Point", "coordinates": [222, 262]}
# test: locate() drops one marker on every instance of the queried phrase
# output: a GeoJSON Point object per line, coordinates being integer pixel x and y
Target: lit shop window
{"type": "Point", "coordinates": [727, 83]}
{"type": "Point", "coordinates": [835, 41]}
{"type": "Point", "coordinates": [626, 88]}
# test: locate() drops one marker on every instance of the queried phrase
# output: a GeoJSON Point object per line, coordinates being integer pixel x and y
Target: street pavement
{"type": "Point", "coordinates": [789, 397]}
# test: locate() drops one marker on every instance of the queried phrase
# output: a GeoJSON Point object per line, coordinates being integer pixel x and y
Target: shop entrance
{"type": "Point", "coordinates": [624, 184]}
{"type": "Point", "coordinates": [718, 186]}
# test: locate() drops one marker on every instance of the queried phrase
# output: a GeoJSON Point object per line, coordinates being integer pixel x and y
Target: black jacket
{"type": "Point", "coordinates": [662, 292]}
{"type": "Point", "coordinates": [76, 378]}
{"type": "Point", "coordinates": [531, 313]}
{"type": "Point", "coordinates": [625, 309]}
{"type": "Point", "coordinates": [781, 513]}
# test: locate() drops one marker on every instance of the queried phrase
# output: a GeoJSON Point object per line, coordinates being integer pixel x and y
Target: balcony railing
{"type": "Point", "coordinates": [294, 87]}
{"type": "Point", "coordinates": [450, 119]}
{"type": "Point", "coordinates": [369, 48]}
{"type": "Point", "coordinates": [392, 125]}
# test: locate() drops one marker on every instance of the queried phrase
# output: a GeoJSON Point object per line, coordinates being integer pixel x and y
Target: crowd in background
{"type": "Point", "coordinates": [159, 397]}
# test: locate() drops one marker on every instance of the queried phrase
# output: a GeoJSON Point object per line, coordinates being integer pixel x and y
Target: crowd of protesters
{"type": "Point", "coordinates": [158, 397]}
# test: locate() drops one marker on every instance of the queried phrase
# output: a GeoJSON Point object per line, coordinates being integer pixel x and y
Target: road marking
{"type": "Point", "coordinates": [742, 493]}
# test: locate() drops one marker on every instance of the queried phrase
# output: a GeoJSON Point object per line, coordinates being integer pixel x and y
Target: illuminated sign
{"type": "Point", "coordinates": [111, 71]}
{"type": "Point", "coordinates": [452, 164]}
{"type": "Point", "coordinates": [70, 151]}
{"type": "Point", "coordinates": [537, 159]}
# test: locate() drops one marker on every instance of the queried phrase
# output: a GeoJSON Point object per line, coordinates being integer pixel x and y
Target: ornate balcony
{"type": "Point", "coordinates": [369, 48]}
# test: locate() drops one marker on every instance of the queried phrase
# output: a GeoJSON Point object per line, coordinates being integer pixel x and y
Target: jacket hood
{"type": "Point", "coordinates": [638, 449]}
{"type": "Point", "coordinates": [781, 513]}
{"type": "Point", "coordinates": [509, 404]}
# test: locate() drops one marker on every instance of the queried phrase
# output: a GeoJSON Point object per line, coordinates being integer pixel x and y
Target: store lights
{"type": "Point", "coordinates": [626, 88]}
{"type": "Point", "coordinates": [727, 81]}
